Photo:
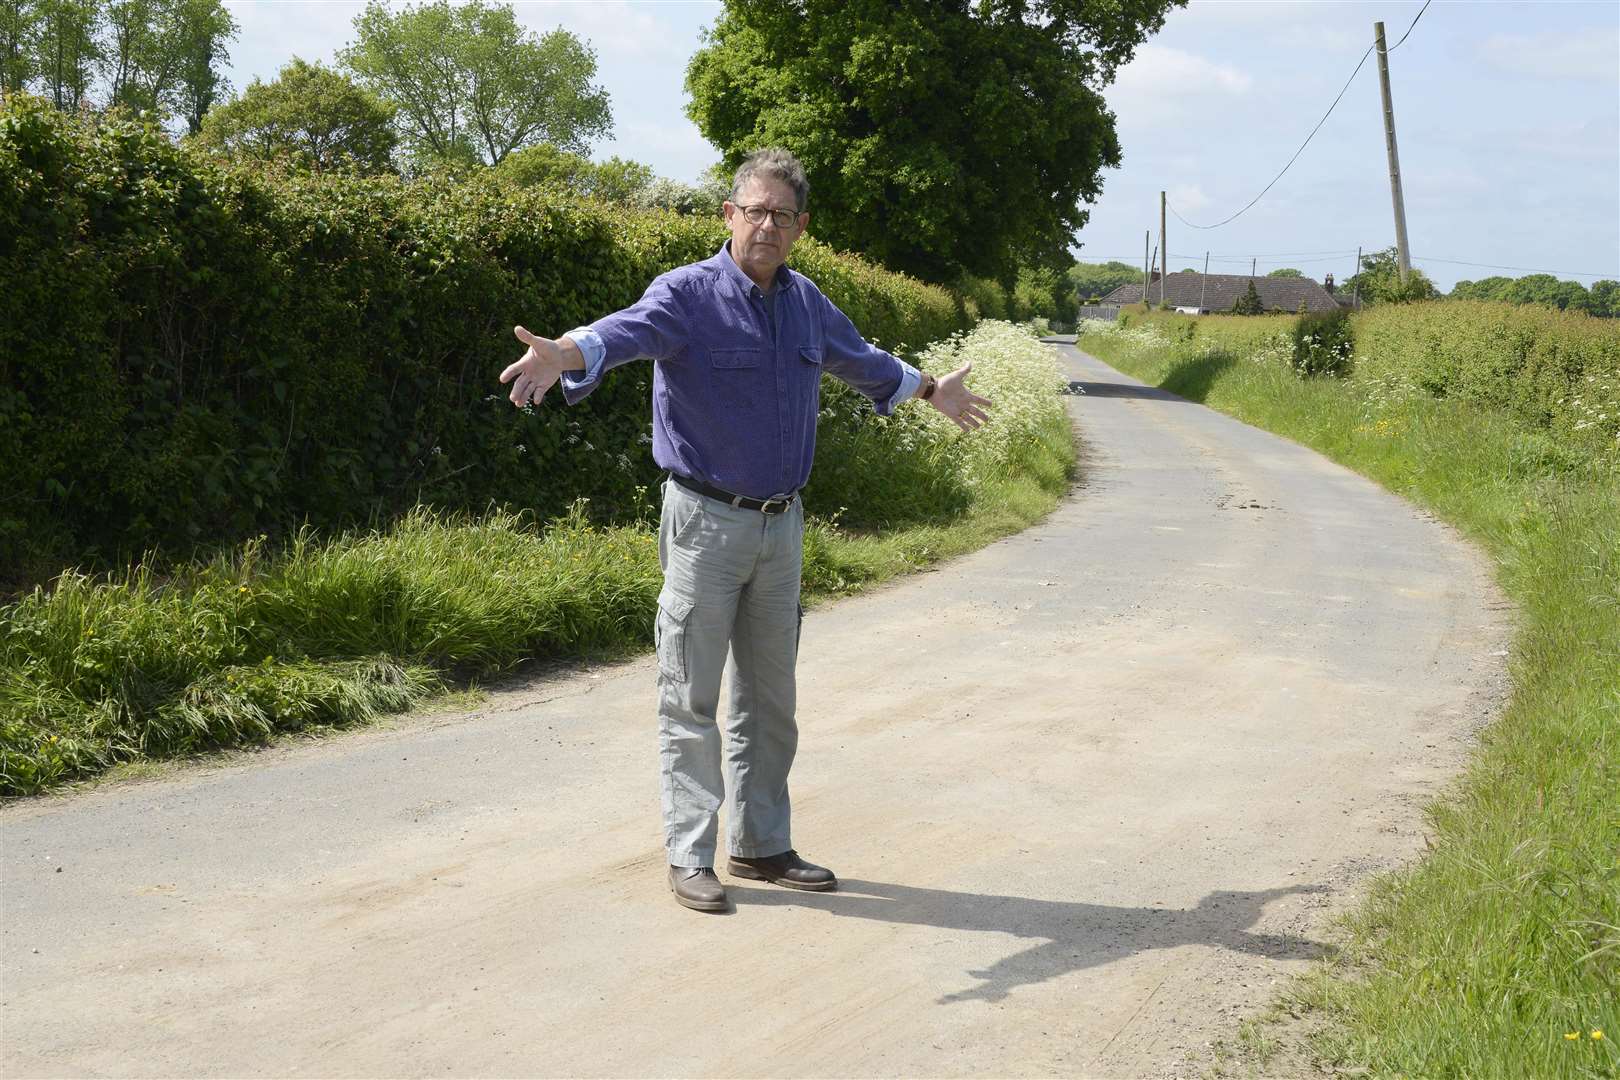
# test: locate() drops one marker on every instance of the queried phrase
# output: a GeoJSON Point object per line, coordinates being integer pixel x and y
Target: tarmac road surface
{"type": "Point", "coordinates": [1090, 793]}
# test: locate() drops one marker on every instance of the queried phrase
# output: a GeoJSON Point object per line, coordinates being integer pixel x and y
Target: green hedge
{"type": "Point", "coordinates": [191, 355]}
{"type": "Point", "coordinates": [1557, 370]}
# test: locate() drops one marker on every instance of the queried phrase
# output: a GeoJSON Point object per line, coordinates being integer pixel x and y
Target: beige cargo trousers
{"type": "Point", "coordinates": [730, 603]}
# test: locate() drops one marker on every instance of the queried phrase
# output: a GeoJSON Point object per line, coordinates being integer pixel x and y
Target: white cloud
{"type": "Point", "coordinates": [1164, 83]}
{"type": "Point", "coordinates": [1556, 54]}
{"type": "Point", "coordinates": [272, 33]}
{"type": "Point", "coordinates": [625, 30]}
{"type": "Point", "coordinates": [1188, 197]}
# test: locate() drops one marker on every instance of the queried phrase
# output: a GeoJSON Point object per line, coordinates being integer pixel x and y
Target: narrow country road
{"type": "Point", "coordinates": [1090, 793]}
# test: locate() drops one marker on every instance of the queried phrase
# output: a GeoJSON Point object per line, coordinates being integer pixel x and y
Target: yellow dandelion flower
{"type": "Point", "coordinates": [241, 588]}
{"type": "Point", "coordinates": [1597, 1033]}
{"type": "Point", "coordinates": [1572, 1034]}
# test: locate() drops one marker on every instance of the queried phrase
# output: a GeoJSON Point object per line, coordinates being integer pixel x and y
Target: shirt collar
{"type": "Point", "coordinates": [784, 277]}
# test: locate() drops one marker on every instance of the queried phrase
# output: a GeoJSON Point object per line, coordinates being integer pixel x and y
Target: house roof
{"type": "Point", "coordinates": [1187, 287]}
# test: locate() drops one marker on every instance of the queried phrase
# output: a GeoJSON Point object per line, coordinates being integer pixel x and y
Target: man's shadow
{"type": "Point", "coordinates": [1076, 935]}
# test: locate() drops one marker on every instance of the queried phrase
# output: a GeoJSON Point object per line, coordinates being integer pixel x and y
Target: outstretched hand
{"type": "Point", "coordinates": [536, 371]}
{"type": "Point", "coordinates": [952, 397]}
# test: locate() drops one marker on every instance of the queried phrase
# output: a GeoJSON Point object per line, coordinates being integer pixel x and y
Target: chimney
{"type": "Point", "coordinates": [1327, 283]}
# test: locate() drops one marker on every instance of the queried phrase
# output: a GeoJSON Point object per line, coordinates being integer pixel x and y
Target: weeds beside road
{"type": "Point", "coordinates": [1498, 955]}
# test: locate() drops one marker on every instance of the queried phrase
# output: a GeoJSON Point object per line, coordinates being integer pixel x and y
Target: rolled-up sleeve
{"type": "Point", "coordinates": [654, 327]}
{"type": "Point", "coordinates": [879, 375]}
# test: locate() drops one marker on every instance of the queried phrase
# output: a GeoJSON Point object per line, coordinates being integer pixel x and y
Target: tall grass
{"type": "Point", "coordinates": [1497, 955]}
{"type": "Point", "coordinates": [98, 671]}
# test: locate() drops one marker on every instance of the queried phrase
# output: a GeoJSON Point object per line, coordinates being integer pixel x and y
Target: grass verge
{"type": "Point", "coordinates": [1498, 955]}
{"type": "Point", "coordinates": [138, 667]}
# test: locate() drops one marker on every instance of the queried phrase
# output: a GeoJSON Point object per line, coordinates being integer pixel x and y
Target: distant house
{"type": "Point", "coordinates": [1193, 293]}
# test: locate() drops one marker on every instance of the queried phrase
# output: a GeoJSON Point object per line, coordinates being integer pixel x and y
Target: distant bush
{"type": "Point", "coordinates": [1323, 343]}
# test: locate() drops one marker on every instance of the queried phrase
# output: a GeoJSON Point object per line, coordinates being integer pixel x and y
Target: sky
{"type": "Point", "coordinates": [1507, 118]}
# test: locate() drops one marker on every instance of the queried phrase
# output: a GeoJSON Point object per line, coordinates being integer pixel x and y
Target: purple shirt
{"type": "Point", "coordinates": [736, 385]}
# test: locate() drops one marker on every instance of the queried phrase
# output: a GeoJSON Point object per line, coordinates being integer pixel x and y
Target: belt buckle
{"type": "Point", "coordinates": [780, 505]}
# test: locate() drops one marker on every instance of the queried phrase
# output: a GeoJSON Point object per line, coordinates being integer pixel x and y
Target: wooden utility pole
{"type": "Point", "coordinates": [1355, 292]}
{"type": "Point", "coordinates": [1403, 254]}
{"type": "Point", "coordinates": [1164, 251]}
{"type": "Point", "coordinates": [1203, 286]}
{"type": "Point", "coordinates": [1254, 262]}
{"type": "Point", "coordinates": [1147, 264]}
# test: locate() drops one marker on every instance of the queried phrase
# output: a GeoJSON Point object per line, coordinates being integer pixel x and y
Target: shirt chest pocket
{"type": "Point", "coordinates": [811, 356]}
{"type": "Point", "coordinates": [735, 359]}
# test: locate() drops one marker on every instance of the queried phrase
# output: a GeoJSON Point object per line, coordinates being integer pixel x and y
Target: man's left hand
{"type": "Point", "coordinates": [952, 397]}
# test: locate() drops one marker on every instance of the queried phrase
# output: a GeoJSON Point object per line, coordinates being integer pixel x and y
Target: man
{"type": "Point", "coordinates": [740, 343]}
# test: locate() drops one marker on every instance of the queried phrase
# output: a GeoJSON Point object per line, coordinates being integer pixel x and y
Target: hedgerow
{"type": "Point", "coordinates": [192, 355]}
{"type": "Point", "coordinates": [266, 639]}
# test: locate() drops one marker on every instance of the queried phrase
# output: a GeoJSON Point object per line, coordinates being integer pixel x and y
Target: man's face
{"type": "Point", "coordinates": [760, 249]}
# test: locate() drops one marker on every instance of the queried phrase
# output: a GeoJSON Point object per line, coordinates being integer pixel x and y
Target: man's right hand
{"type": "Point", "coordinates": [540, 366]}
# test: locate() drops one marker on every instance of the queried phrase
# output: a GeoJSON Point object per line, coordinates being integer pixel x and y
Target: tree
{"type": "Point", "coordinates": [1249, 303]}
{"type": "Point", "coordinates": [1285, 271]}
{"type": "Point", "coordinates": [1100, 279]}
{"type": "Point", "coordinates": [923, 123]}
{"type": "Point", "coordinates": [19, 22]}
{"type": "Point", "coordinates": [203, 28]}
{"type": "Point", "coordinates": [615, 180]}
{"type": "Point", "coordinates": [704, 199]}
{"type": "Point", "coordinates": [67, 53]}
{"type": "Point", "coordinates": [1543, 289]}
{"type": "Point", "coordinates": [1605, 298]}
{"type": "Point", "coordinates": [164, 55]}
{"type": "Point", "coordinates": [1491, 288]}
{"type": "Point", "coordinates": [1379, 281]}
{"type": "Point", "coordinates": [310, 115]}
{"type": "Point", "coordinates": [472, 86]}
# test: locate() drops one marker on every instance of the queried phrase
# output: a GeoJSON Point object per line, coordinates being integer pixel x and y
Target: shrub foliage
{"type": "Point", "coordinates": [1323, 343]}
{"type": "Point", "coordinates": [192, 354]}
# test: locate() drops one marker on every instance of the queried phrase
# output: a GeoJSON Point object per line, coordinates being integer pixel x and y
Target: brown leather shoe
{"type": "Point", "coordinates": [784, 869]}
{"type": "Point", "coordinates": [697, 887]}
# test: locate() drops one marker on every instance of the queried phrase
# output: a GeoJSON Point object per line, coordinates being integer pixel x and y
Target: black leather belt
{"type": "Point", "coordinates": [764, 506]}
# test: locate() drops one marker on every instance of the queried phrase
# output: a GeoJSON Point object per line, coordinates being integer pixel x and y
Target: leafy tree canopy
{"type": "Point", "coordinates": [1379, 281]}
{"type": "Point", "coordinates": [472, 85]}
{"type": "Point", "coordinates": [615, 180]}
{"type": "Point", "coordinates": [311, 115]}
{"type": "Point", "coordinates": [1285, 271]}
{"type": "Point", "coordinates": [166, 57]}
{"type": "Point", "coordinates": [1543, 289]}
{"type": "Point", "coordinates": [1100, 279]}
{"type": "Point", "coordinates": [67, 41]}
{"type": "Point", "coordinates": [942, 137]}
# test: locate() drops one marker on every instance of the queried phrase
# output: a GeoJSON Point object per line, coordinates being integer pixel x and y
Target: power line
{"type": "Point", "coordinates": [1521, 269]}
{"type": "Point", "coordinates": [1333, 256]}
{"type": "Point", "coordinates": [1408, 33]}
{"type": "Point", "coordinates": [1309, 137]}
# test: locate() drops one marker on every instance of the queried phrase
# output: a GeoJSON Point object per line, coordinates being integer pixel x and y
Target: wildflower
{"type": "Point", "coordinates": [241, 588]}
{"type": "Point", "coordinates": [1597, 1033]}
{"type": "Point", "coordinates": [1572, 1034]}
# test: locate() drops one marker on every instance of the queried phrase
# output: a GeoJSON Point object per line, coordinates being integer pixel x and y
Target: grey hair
{"type": "Point", "coordinates": [775, 164]}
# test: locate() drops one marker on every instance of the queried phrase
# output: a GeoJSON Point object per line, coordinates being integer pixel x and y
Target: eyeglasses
{"type": "Point", "coordinates": [782, 219]}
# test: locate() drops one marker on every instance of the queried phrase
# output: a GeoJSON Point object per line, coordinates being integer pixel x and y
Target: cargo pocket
{"type": "Point", "coordinates": [674, 612]}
